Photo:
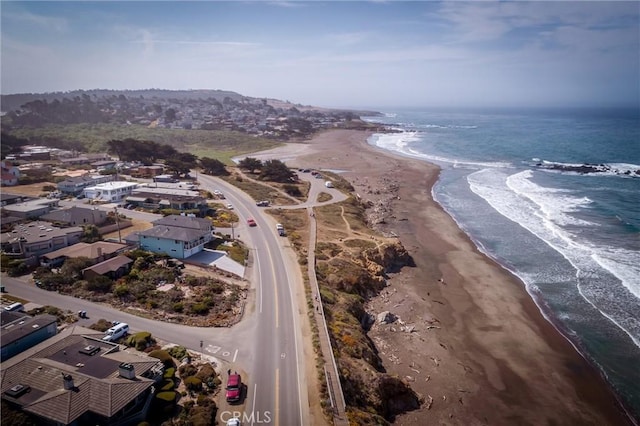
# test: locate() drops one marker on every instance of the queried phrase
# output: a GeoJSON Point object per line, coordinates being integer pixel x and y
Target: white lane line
{"type": "Point", "coordinates": [235, 355]}
{"type": "Point", "coordinates": [259, 280]}
{"type": "Point", "coordinates": [253, 406]}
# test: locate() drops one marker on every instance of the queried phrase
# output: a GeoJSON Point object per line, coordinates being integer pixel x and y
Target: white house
{"type": "Point", "coordinates": [110, 192]}
{"type": "Point", "coordinates": [10, 174]}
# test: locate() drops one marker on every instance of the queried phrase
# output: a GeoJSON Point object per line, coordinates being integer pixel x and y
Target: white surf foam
{"type": "Point", "coordinates": [544, 212]}
{"type": "Point", "coordinates": [404, 142]}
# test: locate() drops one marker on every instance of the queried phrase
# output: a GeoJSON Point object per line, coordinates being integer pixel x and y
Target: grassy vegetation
{"type": "Point", "coordinates": [258, 191]}
{"type": "Point", "coordinates": [323, 196]}
{"type": "Point", "coordinates": [219, 144]}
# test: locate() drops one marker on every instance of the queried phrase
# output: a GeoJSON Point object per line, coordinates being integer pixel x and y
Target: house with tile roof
{"type": "Point", "coordinates": [96, 252]}
{"type": "Point", "coordinates": [76, 378]}
{"type": "Point", "coordinates": [113, 268]}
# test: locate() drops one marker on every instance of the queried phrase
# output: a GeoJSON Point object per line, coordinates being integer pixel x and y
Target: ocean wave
{"type": "Point", "coordinates": [607, 277]}
{"type": "Point", "coordinates": [402, 142]}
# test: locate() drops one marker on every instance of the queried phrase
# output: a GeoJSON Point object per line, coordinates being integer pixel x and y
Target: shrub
{"type": "Point", "coordinates": [163, 356]}
{"type": "Point", "coordinates": [140, 340]}
{"type": "Point", "coordinates": [101, 325]}
{"type": "Point", "coordinates": [169, 373]}
{"type": "Point", "coordinates": [199, 308]}
{"type": "Point", "coordinates": [167, 396]}
{"type": "Point", "coordinates": [167, 385]}
{"type": "Point", "coordinates": [178, 352]}
{"type": "Point", "coordinates": [206, 373]}
{"type": "Point", "coordinates": [203, 400]}
{"type": "Point", "coordinates": [192, 383]}
{"type": "Point", "coordinates": [121, 290]}
{"type": "Point", "coordinates": [187, 370]}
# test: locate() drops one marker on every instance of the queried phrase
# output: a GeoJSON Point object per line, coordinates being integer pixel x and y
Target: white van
{"type": "Point", "coordinates": [116, 332]}
{"type": "Point", "coordinates": [328, 184]}
{"type": "Point", "coordinates": [14, 307]}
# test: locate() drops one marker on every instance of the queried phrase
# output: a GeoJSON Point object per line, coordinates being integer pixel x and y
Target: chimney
{"type": "Point", "coordinates": [99, 251]}
{"type": "Point", "coordinates": [67, 381]}
{"type": "Point", "coordinates": [127, 370]}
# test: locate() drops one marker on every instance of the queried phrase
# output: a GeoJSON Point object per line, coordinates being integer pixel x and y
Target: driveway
{"type": "Point", "coordinates": [219, 259]}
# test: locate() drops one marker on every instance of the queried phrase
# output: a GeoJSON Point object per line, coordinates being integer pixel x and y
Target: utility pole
{"type": "Point", "coordinates": [118, 224]}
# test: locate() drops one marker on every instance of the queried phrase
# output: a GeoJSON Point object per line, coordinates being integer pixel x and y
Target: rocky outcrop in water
{"type": "Point", "coordinates": [588, 168]}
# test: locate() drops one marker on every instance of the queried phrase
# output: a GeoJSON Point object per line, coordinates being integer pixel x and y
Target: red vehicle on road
{"type": "Point", "coordinates": [234, 388]}
{"type": "Point", "coordinates": [251, 222]}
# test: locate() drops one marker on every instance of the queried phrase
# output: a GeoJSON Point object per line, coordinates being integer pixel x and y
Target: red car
{"type": "Point", "coordinates": [234, 388]}
{"type": "Point", "coordinates": [251, 222]}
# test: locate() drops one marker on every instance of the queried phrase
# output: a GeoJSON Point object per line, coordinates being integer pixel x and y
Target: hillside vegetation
{"type": "Point", "coordinates": [220, 144]}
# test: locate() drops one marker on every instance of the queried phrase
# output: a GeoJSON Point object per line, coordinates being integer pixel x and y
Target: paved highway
{"type": "Point", "coordinates": [266, 344]}
{"type": "Point", "coordinates": [276, 385]}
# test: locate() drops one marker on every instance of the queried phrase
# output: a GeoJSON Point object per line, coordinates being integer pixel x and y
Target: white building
{"type": "Point", "coordinates": [110, 191]}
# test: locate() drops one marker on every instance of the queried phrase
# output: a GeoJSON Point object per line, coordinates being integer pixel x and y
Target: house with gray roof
{"type": "Point", "coordinates": [21, 331]}
{"type": "Point", "coordinates": [33, 239]}
{"type": "Point", "coordinates": [76, 378]}
{"type": "Point", "coordinates": [76, 216]}
{"type": "Point", "coordinates": [31, 209]}
{"type": "Point", "coordinates": [177, 236]}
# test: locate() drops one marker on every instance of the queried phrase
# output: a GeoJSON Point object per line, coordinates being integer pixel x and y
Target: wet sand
{"type": "Point", "coordinates": [480, 351]}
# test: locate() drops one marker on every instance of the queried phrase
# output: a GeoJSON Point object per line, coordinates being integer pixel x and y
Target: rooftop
{"type": "Point", "coordinates": [189, 222]}
{"type": "Point", "coordinates": [92, 366]}
{"type": "Point", "coordinates": [90, 250]}
{"type": "Point", "coordinates": [109, 265]}
{"type": "Point", "coordinates": [113, 185]}
{"type": "Point", "coordinates": [172, 233]}
{"type": "Point", "coordinates": [36, 231]}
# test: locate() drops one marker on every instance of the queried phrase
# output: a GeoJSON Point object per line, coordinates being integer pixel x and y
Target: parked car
{"type": "Point", "coordinates": [233, 421]}
{"type": "Point", "coordinates": [230, 206]}
{"type": "Point", "coordinates": [234, 388]}
{"type": "Point", "coordinates": [251, 222]}
{"type": "Point", "coordinates": [116, 332]}
{"type": "Point", "coordinates": [280, 229]}
{"type": "Point", "coordinates": [263, 203]}
{"type": "Point", "coordinates": [14, 307]}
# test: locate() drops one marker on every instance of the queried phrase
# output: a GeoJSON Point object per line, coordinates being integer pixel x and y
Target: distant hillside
{"type": "Point", "coordinates": [15, 101]}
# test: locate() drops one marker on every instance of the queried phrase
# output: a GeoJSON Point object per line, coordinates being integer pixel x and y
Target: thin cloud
{"type": "Point", "coordinates": [41, 21]}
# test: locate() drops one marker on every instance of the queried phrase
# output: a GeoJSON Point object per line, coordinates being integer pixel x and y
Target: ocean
{"type": "Point", "coordinates": [515, 182]}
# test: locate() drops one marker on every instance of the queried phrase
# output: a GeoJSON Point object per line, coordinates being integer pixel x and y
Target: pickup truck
{"type": "Point", "coordinates": [234, 388]}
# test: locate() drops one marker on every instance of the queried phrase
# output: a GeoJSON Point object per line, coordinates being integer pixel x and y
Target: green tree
{"type": "Point", "coordinates": [276, 171]}
{"type": "Point", "coordinates": [170, 115]}
{"type": "Point", "coordinates": [213, 166]}
{"type": "Point", "coordinates": [72, 268]}
{"type": "Point", "coordinates": [250, 164]}
{"type": "Point", "coordinates": [90, 234]}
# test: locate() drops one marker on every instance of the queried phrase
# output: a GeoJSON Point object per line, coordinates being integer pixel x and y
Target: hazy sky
{"type": "Point", "coordinates": [334, 54]}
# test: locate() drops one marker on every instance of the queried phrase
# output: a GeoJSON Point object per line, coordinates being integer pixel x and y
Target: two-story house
{"type": "Point", "coordinates": [177, 236]}
{"type": "Point", "coordinates": [10, 174]}
{"type": "Point", "coordinates": [75, 185]}
{"type": "Point", "coordinates": [109, 191]}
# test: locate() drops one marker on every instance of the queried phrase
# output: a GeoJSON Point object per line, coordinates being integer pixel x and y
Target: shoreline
{"type": "Point", "coordinates": [495, 351]}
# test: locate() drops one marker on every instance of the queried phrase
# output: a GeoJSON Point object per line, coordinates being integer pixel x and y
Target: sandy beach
{"type": "Point", "coordinates": [480, 352]}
